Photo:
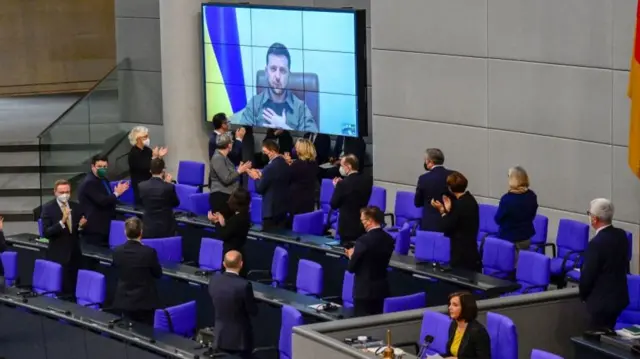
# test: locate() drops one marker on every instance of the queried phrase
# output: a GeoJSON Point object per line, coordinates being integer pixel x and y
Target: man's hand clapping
{"type": "Point", "coordinates": [336, 180]}
{"type": "Point", "coordinates": [244, 167]}
{"type": "Point", "coordinates": [255, 174]}
{"type": "Point", "coordinates": [121, 187]}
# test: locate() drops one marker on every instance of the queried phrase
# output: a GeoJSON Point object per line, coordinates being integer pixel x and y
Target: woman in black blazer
{"type": "Point", "coordinates": [233, 229]}
{"type": "Point", "coordinates": [460, 222]}
{"type": "Point", "coordinates": [140, 157]}
{"type": "Point", "coordinates": [468, 339]}
{"type": "Point", "coordinates": [304, 178]}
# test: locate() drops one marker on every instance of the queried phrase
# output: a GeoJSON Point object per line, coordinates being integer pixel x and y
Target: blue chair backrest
{"type": "Point", "coordinates": [280, 266]}
{"type": "Point", "coordinates": [211, 254]}
{"type": "Point", "coordinates": [402, 239]}
{"type": "Point", "coordinates": [534, 270]}
{"type": "Point", "coordinates": [40, 227]}
{"type": "Point", "coordinates": [10, 265]}
{"type": "Point", "coordinates": [572, 236]}
{"type": "Point", "coordinates": [347, 289]}
{"type": "Point", "coordinates": [117, 236]}
{"type": "Point", "coordinates": [255, 210]}
{"type": "Point", "coordinates": [309, 278]}
{"type": "Point", "coordinates": [432, 247]}
{"type": "Point", "coordinates": [291, 317]}
{"type": "Point", "coordinates": [126, 196]}
{"type": "Point", "coordinates": [251, 186]}
{"type": "Point", "coordinates": [326, 192]}
{"type": "Point", "coordinates": [631, 314]}
{"type": "Point", "coordinates": [487, 218]}
{"type": "Point", "coordinates": [309, 223]}
{"type": "Point", "coordinates": [199, 204]}
{"type": "Point", "coordinates": [498, 257]}
{"type": "Point", "coordinates": [404, 208]}
{"type": "Point", "coordinates": [184, 193]}
{"type": "Point", "coordinates": [91, 288]}
{"type": "Point", "coordinates": [541, 226]}
{"type": "Point", "coordinates": [169, 249]}
{"type": "Point", "coordinates": [405, 302]}
{"type": "Point", "coordinates": [504, 338]}
{"type": "Point", "coordinates": [378, 198]}
{"type": "Point", "coordinates": [47, 277]}
{"type": "Point", "coordinates": [437, 325]}
{"type": "Point", "coordinates": [181, 321]}
{"type": "Point", "coordinates": [190, 173]}
{"type": "Point", "coordinates": [539, 354]}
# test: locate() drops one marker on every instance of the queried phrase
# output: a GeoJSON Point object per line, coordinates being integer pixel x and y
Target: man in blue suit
{"type": "Point", "coordinates": [603, 276]}
{"type": "Point", "coordinates": [220, 126]}
{"type": "Point", "coordinates": [273, 184]}
{"type": "Point", "coordinates": [431, 185]}
{"type": "Point", "coordinates": [98, 201]}
{"type": "Point", "coordinates": [62, 221]}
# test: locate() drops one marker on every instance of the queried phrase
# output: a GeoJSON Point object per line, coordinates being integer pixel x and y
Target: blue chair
{"type": "Point", "coordinates": [539, 240]}
{"type": "Point", "coordinates": [255, 210]}
{"type": "Point", "coordinates": [40, 227]}
{"type": "Point", "coordinates": [211, 254]}
{"type": "Point", "coordinates": [405, 302]}
{"type": "Point", "coordinates": [191, 173]}
{"type": "Point", "coordinates": [169, 249]}
{"type": "Point", "coordinates": [488, 225]}
{"type": "Point", "coordinates": [127, 196]}
{"type": "Point", "coordinates": [291, 317]}
{"type": "Point", "coordinates": [631, 314]}
{"type": "Point", "coordinates": [326, 192]}
{"type": "Point", "coordinates": [279, 268]}
{"type": "Point", "coordinates": [184, 193]}
{"type": "Point", "coordinates": [571, 242]}
{"type": "Point", "coordinates": [47, 278]}
{"type": "Point", "coordinates": [504, 338]}
{"type": "Point", "coordinates": [437, 325]}
{"type": "Point", "coordinates": [179, 319]}
{"type": "Point", "coordinates": [309, 278]}
{"type": "Point", "coordinates": [498, 258]}
{"type": "Point", "coordinates": [573, 275]}
{"type": "Point", "coordinates": [10, 265]}
{"type": "Point", "coordinates": [539, 354]}
{"type": "Point", "coordinates": [91, 289]}
{"type": "Point", "coordinates": [309, 223]}
{"type": "Point", "coordinates": [405, 210]}
{"type": "Point", "coordinates": [432, 247]}
{"type": "Point", "coordinates": [533, 272]}
{"type": "Point", "coordinates": [117, 235]}
{"type": "Point", "coordinates": [199, 204]}
{"type": "Point", "coordinates": [251, 187]}
{"type": "Point", "coordinates": [402, 239]}
{"type": "Point", "coordinates": [378, 199]}
{"type": "Point", "coordinates": [347, 291]}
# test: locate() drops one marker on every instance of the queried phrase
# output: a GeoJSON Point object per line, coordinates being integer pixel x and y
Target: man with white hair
{"type": "Point", "coordinates": [603, 276]}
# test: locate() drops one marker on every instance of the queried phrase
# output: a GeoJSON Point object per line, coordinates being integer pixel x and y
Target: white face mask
{"type": "Point", "coordinates": [343, 172]}
{"type": "Point", "coordinates": [63, 198]}
{"type": "Point", "coordinates": [147, 142]}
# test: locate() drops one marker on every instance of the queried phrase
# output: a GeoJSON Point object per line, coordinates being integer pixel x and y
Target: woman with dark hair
{"type": "Point", "coordinates": [460, 222]}
{"type": "Point", "coordinates": [468, 338]}
{"type": "Point", "coordinates": [233, 229]}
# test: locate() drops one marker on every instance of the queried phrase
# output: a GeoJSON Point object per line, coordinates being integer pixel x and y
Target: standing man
{"type": "Point", "coordinates": [603, 276]}
{"type": "Point", "coordinates": [62, 221]}
{"type": "Point", "coordinates": [350, 195]}
{"type": "Point", "coordinates": [221, 126]}
{"type": "Point", "coordinates": [234, 306]}
{"type": "Point", "coordinates": [369, 260]}
{"type": "Point", "coordinates": [431, 186]}
{"type": "Point", "coordinates": [98, 201]}
{"type": "Point", "coordinates": [137, 268]}
{"type": "Point", "coordinates": [159, 198]}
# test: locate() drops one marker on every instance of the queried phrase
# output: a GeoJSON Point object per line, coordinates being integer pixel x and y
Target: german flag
{"type": "Point", "coordinates": [634, 95]}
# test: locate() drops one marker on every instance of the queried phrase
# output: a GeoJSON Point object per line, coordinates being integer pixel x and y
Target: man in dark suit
{"type": "Point", "coordinates": [98, 202]}
{"type": "Point", "coordinates": [431, 185]}
{"type": "Point", "coordinates": [369, 260]}
{"type": "Point", "coordinates": [62, 221]}
{"type": "Point", "coordinates": [220, 126]}
{"type": "Point", "coordinates": [273, 184]}
{"type": "Point", "coordinates": [234, 306]}
{"type": "Point", "coordinates": [350, 195]}
{"type": "Point", "coordinates": [137, 268]}
{"type": "Point", "coordinates": [603, 276]}
{"type": "Point", "coordinates": [159, 198]}
{"type": "Point", "coordinates": [322, 144]}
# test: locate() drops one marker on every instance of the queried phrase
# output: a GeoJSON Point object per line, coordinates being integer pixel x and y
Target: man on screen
{"type": "Point", "coordinates": [276, 106]}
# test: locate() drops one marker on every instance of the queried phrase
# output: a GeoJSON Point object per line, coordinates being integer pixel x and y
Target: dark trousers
{"type": "Point", "coordinates": [603, 320]}
{"type": "Point", "coordinates": [364, 307]}
{"type": "Point", "coordinates": [274, 223]}
{"type": "Point", "coordinates": [69, 278]}
{"type": "Point", "coordinates": [244, 354]}
{"type": "Point", "coordinates": [218, 203]}
{"type": "Point", "coordinates": [140, 316]}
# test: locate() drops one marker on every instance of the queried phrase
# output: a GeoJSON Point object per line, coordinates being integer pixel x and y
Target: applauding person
{"type": "Point", "coordinates": [224, 177]}
{"type": "Point", "coordinates": [140, 157]}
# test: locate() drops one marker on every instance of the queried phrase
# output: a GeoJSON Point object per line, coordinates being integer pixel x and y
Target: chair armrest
{"type": "Point", "coordinates": [393, 218]}
{"type": "Point", "coordinates": [530, 288]}
{"type": "Point", "coordinates": [407, 344]}
{"type": "Point", "coordinates": [553, 248]}
{"type": "Point", "coordinates": [566, 258]}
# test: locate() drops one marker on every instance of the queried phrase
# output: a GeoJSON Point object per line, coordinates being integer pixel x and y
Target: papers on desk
{"type": "Point", "coordinates": [320, 307]}
{"type": "Point", "coordinates": [326, 165]}
{"type": "Point", "coordinates": [632, 332]}
{"type": "Point", "coordinates": [435, 356]}
{"type": "Point", "coordinates": [42, 240]}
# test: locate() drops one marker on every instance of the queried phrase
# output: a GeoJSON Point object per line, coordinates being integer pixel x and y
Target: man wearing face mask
{"type": "Point", "coordinates": [62, 221]}
{"type": "Point", "coordinates": [432, 185]}
{"type": "Point", "coordinates": [350, 195]}
{"type": "Point", "coordinates": [158, 197]}
{"type": "Point", "coordinates": [98, 201]}
{"type": "Point", "coordinates": [273, 184]}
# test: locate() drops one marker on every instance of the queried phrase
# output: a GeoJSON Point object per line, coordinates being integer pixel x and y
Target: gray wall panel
{"type": "Point", "coordinates": [137, 8]}
{"type": "Point", "coordinates": [626, 188]}
{"type": "Point", "coordinates": [624, 21]}
{"type": "Point", "coordinates": [141, 96]}
{"type": "Point", "coordinates": [139, 40]}
{"type": "Point", "coordinates": [621, 108]}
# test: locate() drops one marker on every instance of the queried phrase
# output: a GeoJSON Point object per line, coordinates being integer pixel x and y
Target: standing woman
{"type": "Point", "coordinates": [140, 157]}
{"type": "Point", "coordinates": [224, 177]}
{"type": "Point", "coordinates": [232, 229]}
{"type": "Point", "coordinates": [467, 337]}
{"type": "Point", "coordinates": [304, 178]}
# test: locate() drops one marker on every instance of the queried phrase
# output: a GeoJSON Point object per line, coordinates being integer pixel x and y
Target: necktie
{"type": "Point", "coordinates": [65, 207]}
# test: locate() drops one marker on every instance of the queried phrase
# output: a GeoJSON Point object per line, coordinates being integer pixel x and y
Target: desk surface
{"type": "Point", "coordinates": [603, 349]}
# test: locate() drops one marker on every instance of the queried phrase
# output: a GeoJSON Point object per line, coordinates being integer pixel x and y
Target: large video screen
{"type": "Point", "coordinates": [285, 68]}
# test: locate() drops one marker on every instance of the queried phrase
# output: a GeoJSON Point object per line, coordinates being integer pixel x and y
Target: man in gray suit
{"type": "Point", "coordinates": [224, 177]}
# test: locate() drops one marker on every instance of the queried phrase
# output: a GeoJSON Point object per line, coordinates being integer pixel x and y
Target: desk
{"type": "Point", "coordinates": [32, 329]}
{"type": "Point", "coordinates": [593, 349]}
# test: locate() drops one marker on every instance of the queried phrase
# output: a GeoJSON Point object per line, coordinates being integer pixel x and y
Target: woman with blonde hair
{"type": "Point", "coordinates": [517, 210]}
{"type": "Point", "coordinates": [304, 177]}
{"type": "Point", "coordinates": [140, 157]}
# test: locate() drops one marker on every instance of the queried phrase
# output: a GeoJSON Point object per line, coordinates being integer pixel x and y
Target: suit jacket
{"type": "Point", "coordinates": [274, 188]}
{"type": "Point", "coordinates": [461, 225]}
{"type": "Point", "coordinates": [3, 247]}
{"type": "Point", "coordinates": [304, 182]}
{"type": "Point", "coordinates": [234, 305]}
{"type": "Point", "coordinates": [98, 203]}
{"type": "Point", "coordinates": [223, 176]}
{"type": "Point", "coordinates": [64, 246]}
{"type": "Point", "coordinates": [322, 144]}
{"type": "Point", "coordinates": [285, 141]}
{"type": "Point", "coordinates": [137, 268]}
{"type": "Point", "coordinates": [350, 195]}
{"type": "Point", "coordinates": [515, 216]}
{"type": "Point", "coordinates": [603, 276]}
{"type": "Point", "coordinates": [158, 199]}
{"type": "Point", "coordinates": [351, 145]}
{"type": "Point", "coordinates": [431, 185]}
{"type": "Point", "coordinates": [139, 168]}
{"type": "Point", "coordinates": [234, 233]}
{"type": "Point", "coordinates": [369, 263]}
{"type": "Point", "coordinates": [475, 343]}
{"type": "Point", "coordinates": [236, 151]}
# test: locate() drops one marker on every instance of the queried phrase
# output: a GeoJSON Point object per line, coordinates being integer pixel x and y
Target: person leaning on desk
{"type": "Point", "coordinates": [468, 339]}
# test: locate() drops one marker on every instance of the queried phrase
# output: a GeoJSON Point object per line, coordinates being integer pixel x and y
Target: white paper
{"type": "Point", "coordinates": [435, 356]}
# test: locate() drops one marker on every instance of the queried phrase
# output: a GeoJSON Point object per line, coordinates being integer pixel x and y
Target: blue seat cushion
{"type": "Point", "coordinates": [573, 275]}
{"type": "Point", "coordinates": [556, 265]}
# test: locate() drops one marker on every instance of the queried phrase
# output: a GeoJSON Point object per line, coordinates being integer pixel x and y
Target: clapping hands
{"type": "Point", "coordinates": [255, 174]}
{"type": "Point", "coordinates": [121, 187]}
{"type": "Point", "coordinates": [444, 206]}
{"type": "Point", "coordinates": [336, 180]}
{"type": "Point", "coordinates": [159, 152]}
{"type": "Point", "coordinates": [244, 167]}
{"type": "Point", "coordinates": [216, 218]}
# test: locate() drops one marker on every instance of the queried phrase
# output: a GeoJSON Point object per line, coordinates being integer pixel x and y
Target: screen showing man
{"type": "Point", "coordinates": [276, 106]}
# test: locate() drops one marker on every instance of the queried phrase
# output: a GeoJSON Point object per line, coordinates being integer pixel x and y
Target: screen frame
{"type": "Point", "coordinates": [360, 51]}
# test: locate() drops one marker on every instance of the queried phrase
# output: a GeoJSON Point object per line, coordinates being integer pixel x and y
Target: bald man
{"type": "Point", "coordinates": [234, 306]}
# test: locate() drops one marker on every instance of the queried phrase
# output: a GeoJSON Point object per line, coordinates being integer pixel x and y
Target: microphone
{"type": "Point", "coordinates": [428, 339]}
